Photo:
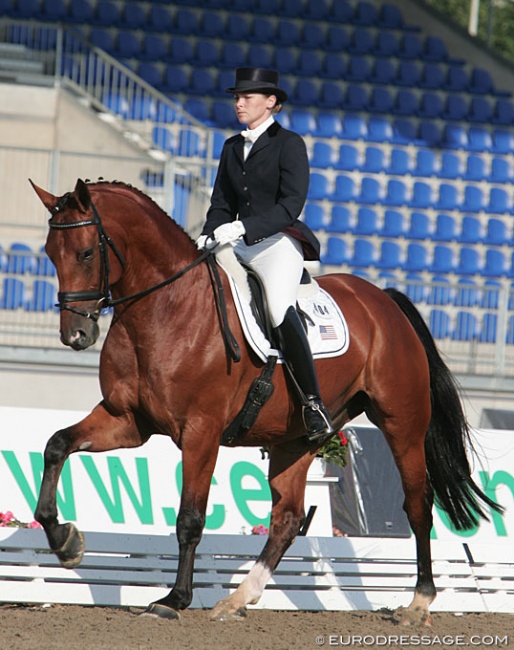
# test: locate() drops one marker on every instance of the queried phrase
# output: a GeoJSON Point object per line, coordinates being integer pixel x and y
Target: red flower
{"type": "Point", "coordinates": [342, 438]}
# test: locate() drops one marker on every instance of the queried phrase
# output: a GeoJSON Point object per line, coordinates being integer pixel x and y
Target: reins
{"type": "Point", "coordinates": [103, 297]}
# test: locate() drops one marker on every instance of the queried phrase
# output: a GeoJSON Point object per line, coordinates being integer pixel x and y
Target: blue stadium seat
{"type": "Point", "coordinates": [472, 230]}
{"type": "Point", "coordinates": [116, 103]}
{"type": "Point", "coordinates": [365, 13]}
{"type": "Point", "coordinates": [185, 22]}
{"type": "Point", "coordinates": [154, 48]}
{"type": "Point", "coordinates": [266, 7]}
{"type": "Point", "coordinates": [491, 294]}
{"type": "Point", "coordinates": [432, 76]}
{"type": "Point", "coordinates": [285, 60]}
{"type": "Point", "coordinates": [399, 162]}
{"type": "Point", "coordinates": [358, 69]}
{"type": "Point", "coordinates": [396, 193]}
{"type": "Point", "coordinates": [13, 294]}
{"type": "Point", "coordinates": [443, 260]}
{"type": "Point", "coordinates": [290, 8]}
{"type": "Point", "coordinates": [386, 45]}
{"type": "Point", "coordinates": [176, 79]}
{"type": "Point", "coordinates": [319, 187]}
{"type": "Point", "coordinates": [379, 129]}
{"type": "Point", "coordinates": [218, 140]}
{"type": "Point", "coordinates": [455, 108]}
{"type": "Point", "coordinates": [20, 259]}
{"type": "Point", "coordinates": [417, 258]}
{"type": "Point", "coordinates": [422, 195]}
{"type": "Point", "coordinates": [410, 46]}
{"type": "Point", "coordinates": [467, 293]}
{"type": "Point", "coordinates": [451, 165]}
{"type": "Point", "coordinates": [382, 72]}
{"type": "Point", "coordinates": [151, 73]}
{"type": "Point", "coordinates": [500, 201]}
{"type": "Point", "coordinates": [237, 27]}
{"type": "Point", "coordinates": [336, 252]}
{"type": "Point", "coordinates": [303, 121]}
{"type": "Point", "coordinates": [233, 55]}
{"type": "Point", "coordinates": [479, 139]}
{"type": "Point", "coordinates": [354, 127]}
{"type": "Point", "coordinates": [262, 30]}
{"type": "Point", "coordinates": [328, 125]}
{"type": "Point", "coordinates": [441, 292]}
{"type": "Point", "coordinates": [211, 24]}
{"type": "Point", "coordinates": [426, 163]}
{"type": "Point", "coordinates": [502, 141]}
{"type": "Point", "coordinates": [428, 133]}
{"type": "Point", "coordinates": [223, 115]}
{"type": "Point", "coordinates": [206, 53]}
{"type": "Point", "coordinates": [466, 327]}
{"type": "Point", "coordinates": [445, 228]}
{"type": "Point", "coordinates": [501, 170]}
{"type": "Point", "coordinates": [287, 33]}
{"type": "Point", "coordinates": [305, 93]}
{"type": "Point", "coordinates": [355, 98]}
{"type": "Point", "coordinates": [107, 14]}
{"type": "Point", "coordinates": [344, 189]}
{"type": "Point", "coordinates": [475, 168]}
{"type": "Point", "coordinates": [403, 131]}
{"type": "Point", "coordinates": [160, 18]}
{"type": "Point", "coordinates": [374, 160]}
{"type": "Point", "coordinates": [364, 253]}
{"type": "Point", "coordinates": [341, 11]}
{"type": "Point", "coordinates": [371, 191]}
{"type": "Point", "coordinates": [312, 36]}
{"type": "Point", "coordinates": [420, 226]}
{"type": "Point", "coordinates": [394, 224]}
{"type": "Point", "coordinates": [416, 288]}
{"type": "Point", "coordinates": [201, 82]}
{"type": "Point", "coordinates": [434, 49]}
{"type": "Point", "coordinates": [488, 328]}
{"type": "Point", "coordinates": [430, 106]}
{"type": "Point", "coordinates": [102, 39]}
{"type": "Point", "coordinates": [388, 279]}
{"type": "Point", "coordinates": [142, 107]}
{"type": "Point", "coordinates": [481, 82]}
{"type": "Point", "coordinates": [309, 63]}
{"type": "Point", "coordinates": [80, 11]}
{"type": "Point", "coordinates": [164, 138]}
{"type": "Point", "coordinates": [314, 216]}
{"type": "Point", "coordinates": [334, 66]}
{"type": "Point", "coordinates": [391, 256]}
{"type": "Point", "coordinates": [323, 155]}
{"type": "Point", "coordinates": [361, 41]}
{"type": "Point", "coordinates": [316, 9]}
{"type": "Point", "coordinates": [44, 296]}
{"type": "Point", "coordinates": [448, 198]}
{"type": "Point", "coordinates": [480, 110]}
{"type": "Point", "coordinates": [128, 45]}
{"type": "Point", "coordinates": [349, 157]}
{"type": "Point", "coordinates": [390, 16]}
{"type": "Point", "coordinates": [259, 56]}
{"type": "Point", "coordinates": [455, 136]}
{"type": "Point", "coordinates": [406, 103]}
{"type": "Point", "coordinates": [367, 222]}
{"type": "Point", "coordinates": [331, 95]}
{"type": "Point", "coordinates": [341, 219]}
{"type": "Point", "coordinates": [380, 100]}
{"type": "Point", "coordinates": [474, 200]}
{"type": "Point", "coordinates": [408, 74]}
{"type": "Point", "coordinates": [190, 144]}
{"type": "Point", "coordinates": [469, 261]}
{"type": "Point", "coordinates": [456, 80]}
{"type": "Point", "coordinates": [440, 324]}
{"type": "Point", "coordinates": [44, 265]}
{"type": "Point", "coordinates": [54, 10]}
{"type": "Point", "coordinates": [133, 15]}
{"type": "Point", "coordinates": [181, 50]}
{"type": "Point", "coordinates": [503, 112]}
{"type": "Point", "coordinates": [495, 265]}
{"type": "Point", "coordinates": [337, 39]}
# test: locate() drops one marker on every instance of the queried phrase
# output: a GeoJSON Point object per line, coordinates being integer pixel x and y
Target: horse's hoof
{"type": "Point", "coordinates": [72, 551]}
{"type": "Point", "coordinates": [414, 616]}
{"type": "Point", "coordinates": [155, 610]}
{"type": "Point", "coordinates": [223, 614]}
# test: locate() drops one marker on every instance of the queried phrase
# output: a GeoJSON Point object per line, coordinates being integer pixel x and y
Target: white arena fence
{"type": "Point", "coordinates": [317, 573]}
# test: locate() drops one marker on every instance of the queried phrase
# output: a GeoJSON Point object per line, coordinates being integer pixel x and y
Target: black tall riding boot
{"type": "Point", "coordinates": [297, 353]}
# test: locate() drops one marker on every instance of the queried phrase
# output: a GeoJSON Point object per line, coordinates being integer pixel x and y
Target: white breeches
{"type": "Point", "coordinates": [278, 261]}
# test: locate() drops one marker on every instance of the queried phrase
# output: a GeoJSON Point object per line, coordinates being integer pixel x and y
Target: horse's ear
{"type": "Point", "coordinates": [47, 199]}
{"type": "Point", "coordinates": [82, 194]}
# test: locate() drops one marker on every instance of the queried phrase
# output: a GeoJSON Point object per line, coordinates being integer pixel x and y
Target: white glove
{"type": "Point", "coordinates": [204, 241]}
{"type": "Point", "coordinates": [229, 233]}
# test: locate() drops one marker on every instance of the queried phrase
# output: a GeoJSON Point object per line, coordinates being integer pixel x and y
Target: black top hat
{"type": "Point", "coordinates": [258, 80]}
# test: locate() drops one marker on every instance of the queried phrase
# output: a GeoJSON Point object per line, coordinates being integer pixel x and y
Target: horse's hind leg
{"type": "Point", "coordinates": [99, 431]}
{"type": "Point", "coordinates": [287, 477]}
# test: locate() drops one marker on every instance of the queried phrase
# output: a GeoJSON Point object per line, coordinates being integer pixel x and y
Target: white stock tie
{"type": "Point", "coordinates": [250, 137]}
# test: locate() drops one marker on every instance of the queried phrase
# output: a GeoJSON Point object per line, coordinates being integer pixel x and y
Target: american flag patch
{"type": "Point", "coordinates": [328, 332]}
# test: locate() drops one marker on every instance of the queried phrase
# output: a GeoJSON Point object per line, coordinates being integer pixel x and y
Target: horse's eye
{"type": "Point", "coordinates": [86, 256]}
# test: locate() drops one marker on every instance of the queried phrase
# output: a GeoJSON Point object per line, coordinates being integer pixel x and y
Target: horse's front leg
{"type": "Point", "coordinates": [287, 478]}
{"type": "Point", "coordinates": [99, 431]}
{"type": "Point", "coordinates": [198, 461]}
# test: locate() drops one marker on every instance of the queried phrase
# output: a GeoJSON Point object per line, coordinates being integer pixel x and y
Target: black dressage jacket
{"type": "Point", "coordinates": [267, 191]}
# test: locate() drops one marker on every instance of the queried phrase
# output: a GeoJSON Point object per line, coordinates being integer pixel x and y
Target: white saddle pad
{"type": "Point", "coordinates": [326, 326]}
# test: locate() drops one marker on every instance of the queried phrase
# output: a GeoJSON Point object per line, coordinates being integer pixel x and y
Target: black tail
{"type": "Point", "coordinates": [448, 433]}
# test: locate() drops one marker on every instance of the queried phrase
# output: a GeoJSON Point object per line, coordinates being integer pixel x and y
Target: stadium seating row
{"type": "Point", "coordinates": [364, 253]}
{"type": "Point", "coordinates": [19, 258]}
{"type": "Point", "coordinates": [16, 295]}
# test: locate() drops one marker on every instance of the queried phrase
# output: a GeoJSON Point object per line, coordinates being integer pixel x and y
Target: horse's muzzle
{"type": "Point", "coordinates": [81, 338]}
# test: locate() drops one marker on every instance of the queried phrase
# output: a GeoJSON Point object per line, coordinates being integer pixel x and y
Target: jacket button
{"type": "Point", "coordinates": [245, 188]}
{"type": "Point", "coordinates": [248, 203]}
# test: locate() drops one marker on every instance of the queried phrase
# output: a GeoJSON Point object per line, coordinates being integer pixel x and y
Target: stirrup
{"type": "Point", "coordinates": [317, 420]}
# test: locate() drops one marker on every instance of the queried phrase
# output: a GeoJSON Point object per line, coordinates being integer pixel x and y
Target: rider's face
{"type": "Point", "coordinates": [254, 108]}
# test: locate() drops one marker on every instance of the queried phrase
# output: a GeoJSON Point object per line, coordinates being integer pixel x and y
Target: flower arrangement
{"type": "Point", "coordinates": [260, 530]}
{"type": "Point", "coordinates": [334, 450]}
{"type": "Point", "coordinates": [8, 520]}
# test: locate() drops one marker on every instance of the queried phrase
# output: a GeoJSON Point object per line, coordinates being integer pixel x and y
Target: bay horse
{"type": "Point", "coordinates": [165, 369]}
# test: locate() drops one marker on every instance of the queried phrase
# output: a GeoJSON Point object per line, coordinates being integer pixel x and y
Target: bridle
{"type": "Point", "coordinates": [103, 295]}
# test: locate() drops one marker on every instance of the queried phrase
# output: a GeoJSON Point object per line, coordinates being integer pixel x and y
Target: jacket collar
{"type": "Point", "coordinates": [262, 142]}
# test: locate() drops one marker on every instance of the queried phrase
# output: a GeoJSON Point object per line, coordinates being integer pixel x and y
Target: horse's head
{"type": "Point", "coordinates": [76, 244]}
